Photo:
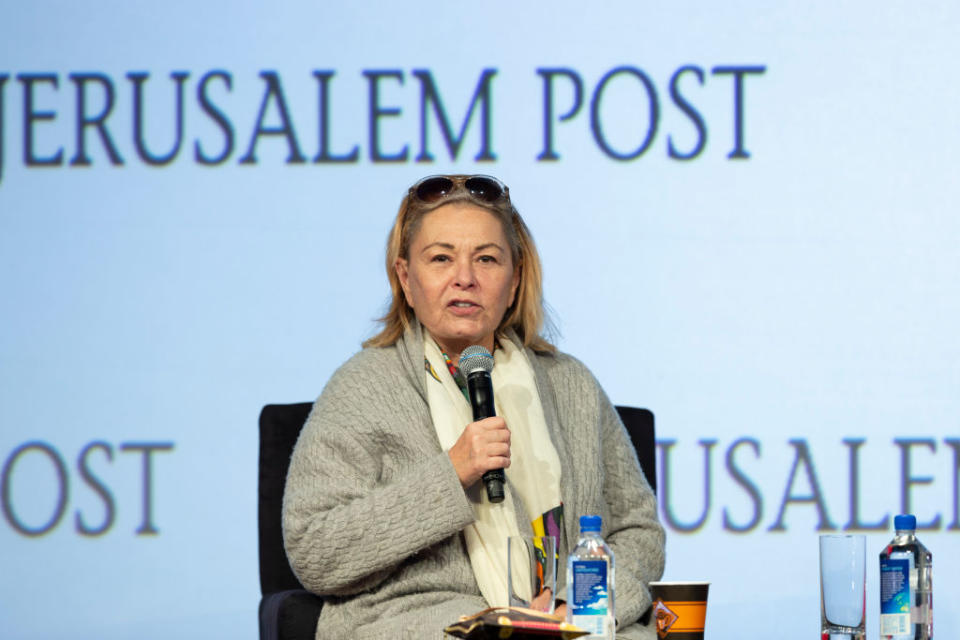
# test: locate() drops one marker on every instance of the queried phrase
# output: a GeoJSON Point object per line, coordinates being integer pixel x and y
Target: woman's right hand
{"type": "Point", "coordinates": [484, 445]}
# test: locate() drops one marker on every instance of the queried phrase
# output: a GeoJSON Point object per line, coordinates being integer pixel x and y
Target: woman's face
{"type": "Point", "coordinates": [459, 277]}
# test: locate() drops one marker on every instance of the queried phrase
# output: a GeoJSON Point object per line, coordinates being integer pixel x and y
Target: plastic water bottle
{"type": "Point", "coordinates": [590, 582]}
{"type": "Point", "coordinates": [906, 585]}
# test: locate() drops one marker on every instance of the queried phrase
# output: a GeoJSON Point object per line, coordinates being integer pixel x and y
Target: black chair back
{"type": "Point", "coordinates": [280, 426]}
{"type": "Point", "coordinates": [640, 426]}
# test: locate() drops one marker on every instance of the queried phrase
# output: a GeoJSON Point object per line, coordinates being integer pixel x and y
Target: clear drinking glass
{"type": "Point", "coordinates": [843, 580]}
{"type": "Point", "coordinates": [532, 572]}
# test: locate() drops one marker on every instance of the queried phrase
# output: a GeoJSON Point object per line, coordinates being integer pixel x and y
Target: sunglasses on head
{"type": "Point", "coordinates": [483, 188]}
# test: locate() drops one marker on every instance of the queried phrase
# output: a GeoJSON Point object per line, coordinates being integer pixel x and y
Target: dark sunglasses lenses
{"type": "Point", "coordinates": [482, 188]}
{"type": "Point", "coordinates": [432, 189]}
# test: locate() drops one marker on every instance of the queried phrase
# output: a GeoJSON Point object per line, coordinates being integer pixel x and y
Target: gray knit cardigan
{"type": "Point", "coordinates": [373, 510]}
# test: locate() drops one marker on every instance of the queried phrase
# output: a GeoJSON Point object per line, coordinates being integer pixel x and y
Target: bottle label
{"type": "Point", "coordinates": [897, 585]}
{"type": "Point", "coordinates": [589, 588]}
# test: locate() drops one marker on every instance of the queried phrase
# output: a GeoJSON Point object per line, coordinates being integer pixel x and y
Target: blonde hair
{"type": "Point", "coordinates": [526, 316]}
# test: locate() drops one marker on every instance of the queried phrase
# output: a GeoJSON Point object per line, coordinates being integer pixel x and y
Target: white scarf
{"type": "Point", "coordinates": [534, 472]}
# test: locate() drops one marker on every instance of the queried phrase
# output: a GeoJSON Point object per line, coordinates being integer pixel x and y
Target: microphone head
{"type": "Point", "coordinates": [475, 358]}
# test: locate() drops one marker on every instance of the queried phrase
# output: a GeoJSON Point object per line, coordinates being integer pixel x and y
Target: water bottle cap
{"type": "Point", "coordinates": [904, 522]}
{"type": "Point", "coordinates": [590, 523]}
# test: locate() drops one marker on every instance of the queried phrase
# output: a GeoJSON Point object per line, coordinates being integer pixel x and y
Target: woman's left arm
{"type": "Point", "coordinates": [633, 530]}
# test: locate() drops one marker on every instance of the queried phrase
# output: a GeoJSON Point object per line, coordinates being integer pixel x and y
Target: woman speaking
{"type": "Point", "coordinates": [385, 514]}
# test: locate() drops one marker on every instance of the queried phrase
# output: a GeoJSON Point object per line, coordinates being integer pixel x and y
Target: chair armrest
{"type": "Point", "coordinates": [289, 615]}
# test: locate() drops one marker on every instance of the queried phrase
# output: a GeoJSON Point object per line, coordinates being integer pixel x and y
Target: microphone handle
{"type": "Point", "coordinates": [480, 388]}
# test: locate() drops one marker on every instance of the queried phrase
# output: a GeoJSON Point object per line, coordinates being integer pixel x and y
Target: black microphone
{"type": "Point", "coordinates": [476, 363]}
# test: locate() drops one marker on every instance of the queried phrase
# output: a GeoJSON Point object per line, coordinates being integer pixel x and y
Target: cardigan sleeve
{"type": "Point", "coordinates": [349, 519]}
{"type": "Point", "coordinates": [634, 533]}
{"type": "Point", "coordinates": [602, 476]}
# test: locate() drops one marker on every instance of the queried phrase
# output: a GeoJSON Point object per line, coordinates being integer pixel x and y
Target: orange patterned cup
{"type": "Point", "coordinates": [679, 609]}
